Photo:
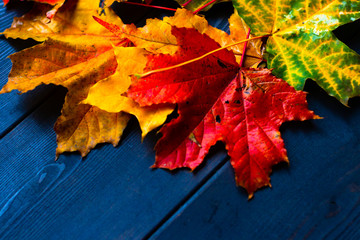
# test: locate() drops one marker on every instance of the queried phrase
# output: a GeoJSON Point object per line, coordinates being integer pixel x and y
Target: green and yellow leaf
{"type": "Point", "coordinates": [301, 44]}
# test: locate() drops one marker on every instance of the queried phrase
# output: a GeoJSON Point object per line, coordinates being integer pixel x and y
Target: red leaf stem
{"type": "Point", "coordinates": [185, 4]}
{"type": "Point", "coordinates": [244, 49]}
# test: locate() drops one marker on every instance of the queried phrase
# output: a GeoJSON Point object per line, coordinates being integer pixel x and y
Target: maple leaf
{"type": "Point", "coordinates": [77, 53]}
{"type": "Point", "coordinates": [301, 44]}
{"type": "Point", "coordinates": [156, 35]}
{"type": "Point", "coordinates": [214, 106]}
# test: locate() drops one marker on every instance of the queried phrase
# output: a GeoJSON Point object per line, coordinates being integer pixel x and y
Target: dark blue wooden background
{"type": "Point", "coordinates": [113, 194]}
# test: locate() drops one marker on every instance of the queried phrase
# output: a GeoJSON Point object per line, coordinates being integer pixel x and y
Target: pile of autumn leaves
{"type": "Point", "coordinates": [106, 66]}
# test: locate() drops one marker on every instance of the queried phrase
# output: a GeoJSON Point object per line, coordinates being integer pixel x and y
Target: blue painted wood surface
{"type": "Point", "coordinates": [113, 194]}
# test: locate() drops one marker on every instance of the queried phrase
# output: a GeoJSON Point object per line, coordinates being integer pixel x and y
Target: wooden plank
{"type": "Point", "coordinates": [112, 193]}
{"type": "Point", "coordinates": [303, 211]}
{"type": "Point", "coordinates": [317, 197]}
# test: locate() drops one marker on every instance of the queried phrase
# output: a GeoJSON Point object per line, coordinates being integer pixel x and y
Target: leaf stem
{"type": "Point", "coordinates": [204, 6]}
{"type": "Point", "coordinates": [244, 48]}
{"type": "Point", "coordinates": [196, 59]}
{"type": "Point", "coordinates": [187, 3]}
{"type": "Point", "coordinates": [148, 5]}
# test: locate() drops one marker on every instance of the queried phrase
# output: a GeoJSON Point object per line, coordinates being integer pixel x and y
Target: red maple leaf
{"type": "Point", "coordinates": [216, 102]}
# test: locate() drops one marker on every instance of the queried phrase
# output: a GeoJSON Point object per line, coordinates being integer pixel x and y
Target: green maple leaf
{"type": "Point", "coordinates": [301, 43]}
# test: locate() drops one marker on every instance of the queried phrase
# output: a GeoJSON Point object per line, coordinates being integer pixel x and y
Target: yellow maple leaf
{"type": "Point", "coordinates": [77, 52]}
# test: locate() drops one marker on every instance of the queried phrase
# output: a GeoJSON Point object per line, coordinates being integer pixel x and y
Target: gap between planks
{"type": "Point", "coordinates": [193, 194]}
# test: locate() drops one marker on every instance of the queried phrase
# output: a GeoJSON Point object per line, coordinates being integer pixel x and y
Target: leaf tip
{"type": "Point", "coordinates": [57, 154]}
{"type": "Point", "coordinates": [143, 137]}
{"type": "Point", "coordinates": [317, 117]}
